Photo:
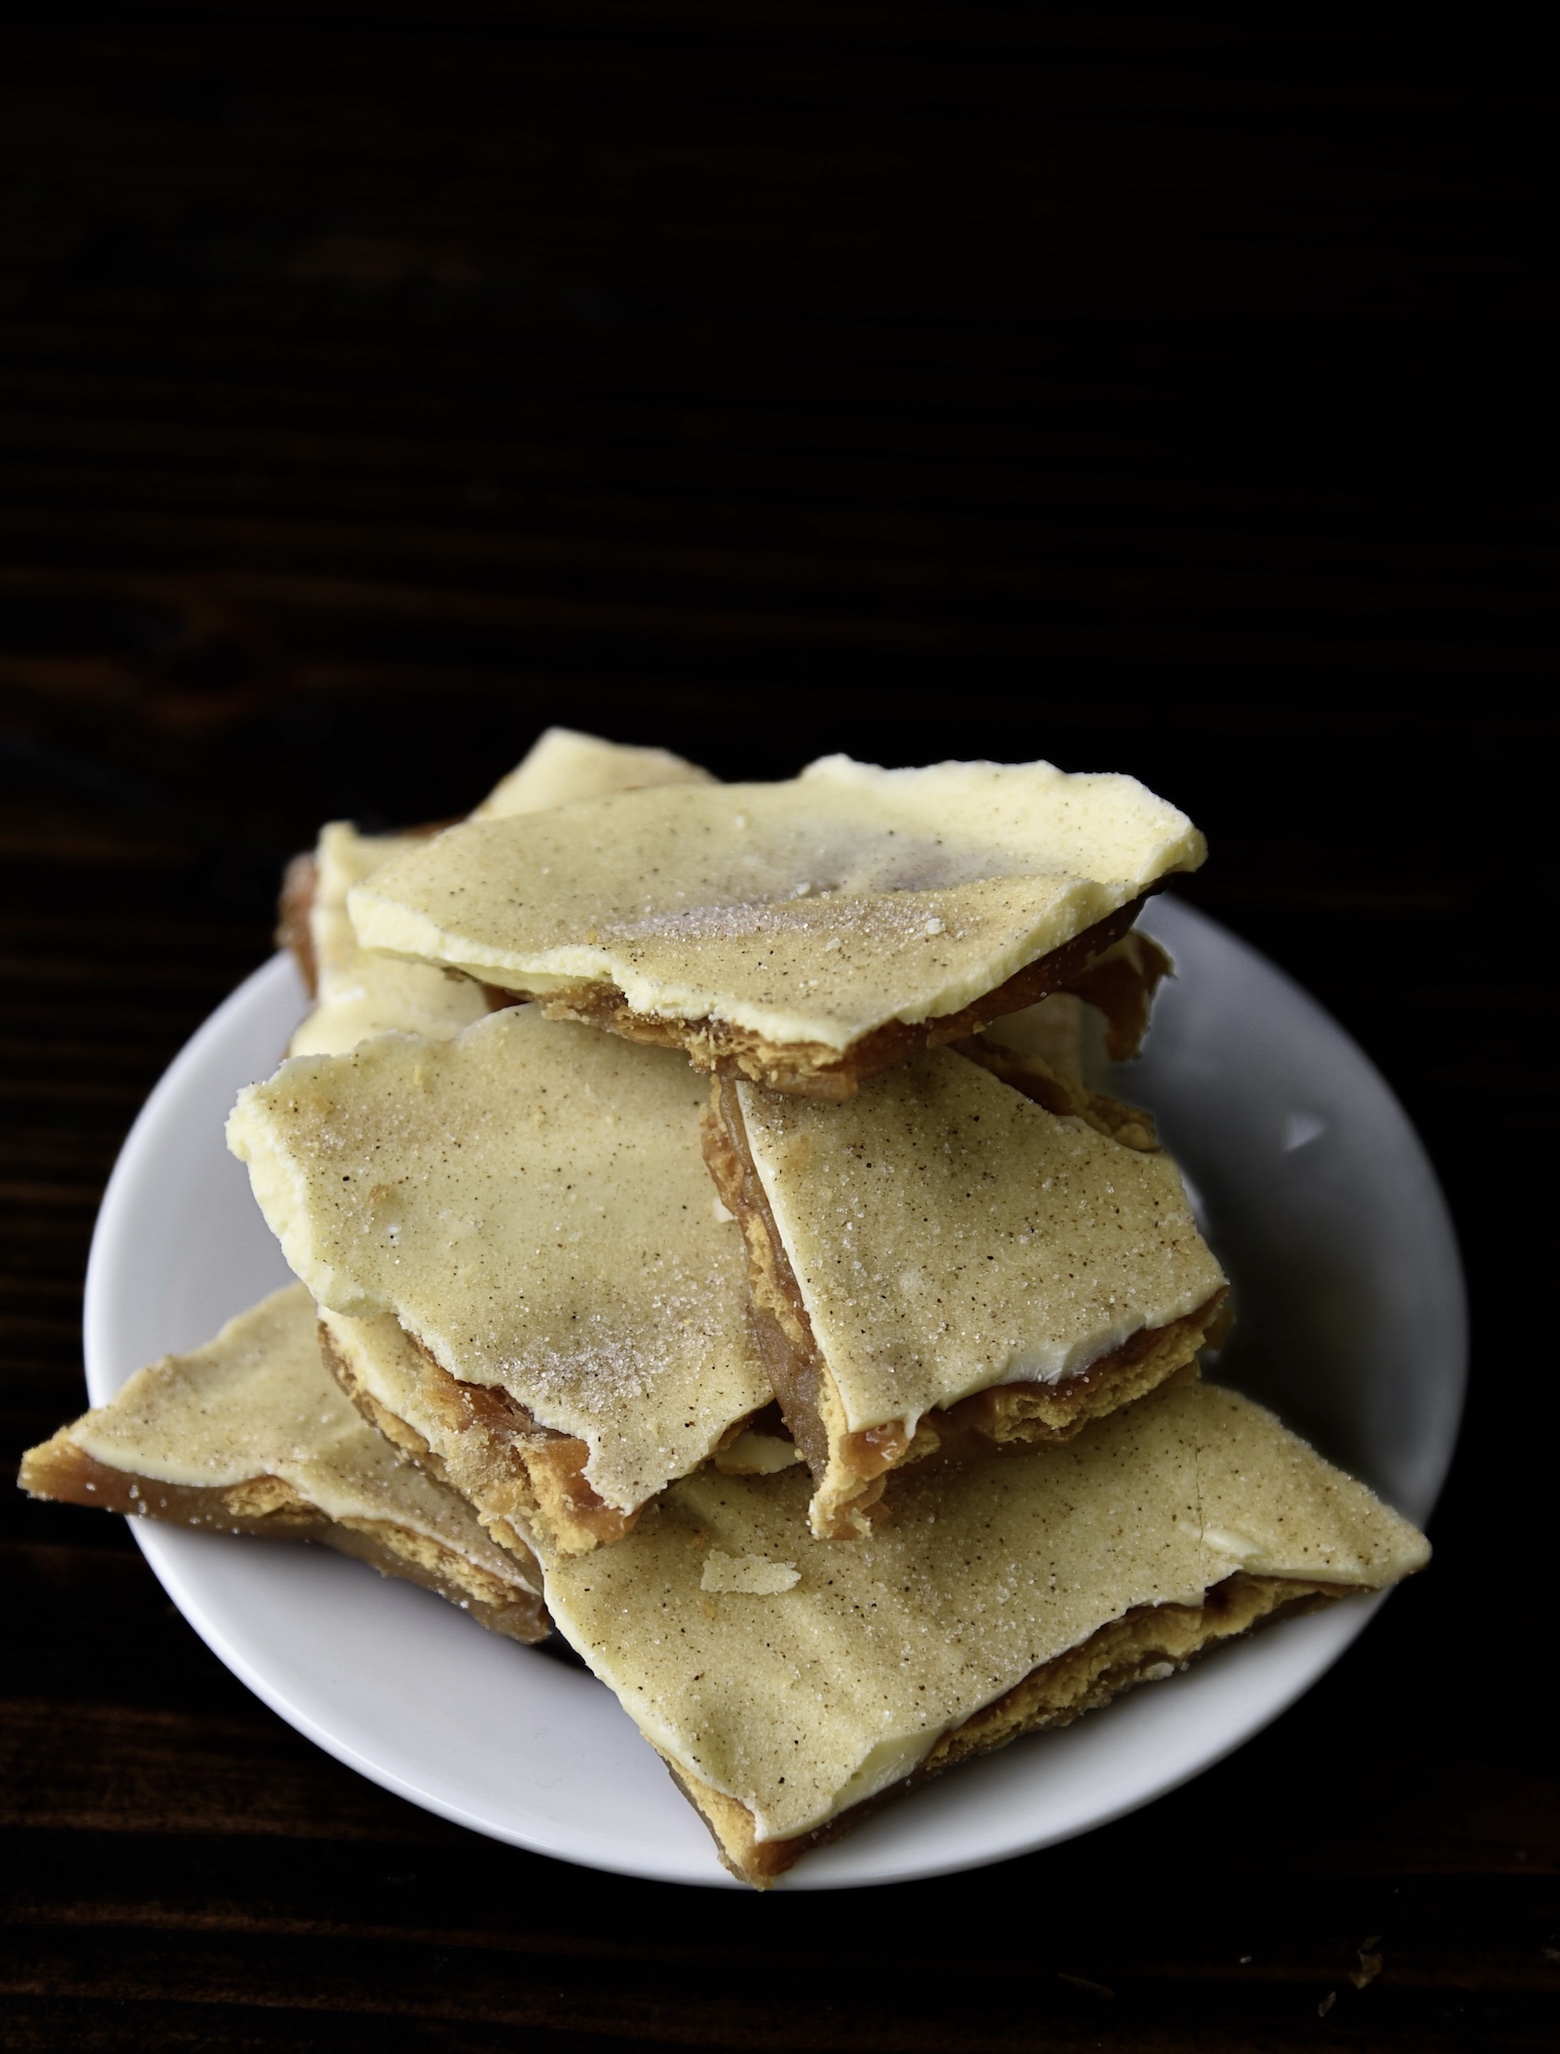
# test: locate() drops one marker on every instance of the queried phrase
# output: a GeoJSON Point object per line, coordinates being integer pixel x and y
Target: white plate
{"type": "Point", "coordinates": [1317, 1195]}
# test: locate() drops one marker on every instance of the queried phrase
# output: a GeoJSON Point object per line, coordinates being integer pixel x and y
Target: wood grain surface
{"type": "Point", "coordinates": [1173, 395]}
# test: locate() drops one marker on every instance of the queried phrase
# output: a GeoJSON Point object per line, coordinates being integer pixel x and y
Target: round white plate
{"type": "Point", "coordinates": [1313, 1188]}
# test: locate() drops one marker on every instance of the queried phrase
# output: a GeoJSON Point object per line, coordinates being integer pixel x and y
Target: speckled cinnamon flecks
{"type": "Point", "coordinates": [530, 1201]}
{"type": "Point", "coordinates": [799, 1703]}
{"type": "Point", "coordinates": [808, 913]}
{"type": "Point", "coordinates": [946, 1234]}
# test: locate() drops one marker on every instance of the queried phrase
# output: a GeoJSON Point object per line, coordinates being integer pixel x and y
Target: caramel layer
{"type": "Point", "coordinates": [796, 1368]}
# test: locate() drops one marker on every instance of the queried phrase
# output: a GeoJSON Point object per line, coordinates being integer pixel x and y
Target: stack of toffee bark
{"type": "Point", "coordinates": [716, 1242]}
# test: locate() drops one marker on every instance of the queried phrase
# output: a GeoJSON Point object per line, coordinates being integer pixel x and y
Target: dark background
{"type": "Point", "coordinates": [1172, 395]}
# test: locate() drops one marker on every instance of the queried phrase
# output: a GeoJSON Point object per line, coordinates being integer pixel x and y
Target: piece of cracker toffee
{"type": "Point", "coordinates": [941, 1255]}
{"type": "Point", "coordinates": [803, 934]}
{"type": "Point", "coordinates": [466, 1436]}
{"type": "Point", "coordinates": [361, 992]}
{"type": "Point", "coordinates": [786, 1686]}
{"type": "Point", "coordinates": [530, 1203]}
{"type": "Point", "coordinates": [249, 1434]}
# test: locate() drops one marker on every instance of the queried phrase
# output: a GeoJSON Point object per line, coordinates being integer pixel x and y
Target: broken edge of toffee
{"type": "Point", "coordinates": [809, 1069]}
{"type": "Point", "coordinates": [851, 1469]}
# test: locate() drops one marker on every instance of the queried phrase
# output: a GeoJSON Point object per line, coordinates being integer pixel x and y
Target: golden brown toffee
{"type": "Point", "coordinates": [802, 933]}
{"type": "Point", "coordinates": [360, 993]}
{"type": "Point", "coordinates": [786, 1685]}
{"type": "Point", "coordinates": [249, 1435]}
{"type": "Point", "coordinates": [526, 1484]}
{"type": "Point", "coordinates": [942, 1255]}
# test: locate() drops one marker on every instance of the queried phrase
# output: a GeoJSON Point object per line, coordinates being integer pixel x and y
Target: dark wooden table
{"type": "Point", "coordinates": [382, 383]}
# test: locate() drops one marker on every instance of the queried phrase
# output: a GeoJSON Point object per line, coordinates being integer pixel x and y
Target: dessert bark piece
{"type": "Point", "coordinates": [361, 992]}
{"type": "Point", "coordinates": [943, 1256]}
{"type": "Point", "coordinates": [787, 1687]}
{"type": "Point", "coordinates": [803, 934]}
{"type": "Point", "coordinates": [529, 1202]}
{"type": "Point", "coordinates": [249, 1434]}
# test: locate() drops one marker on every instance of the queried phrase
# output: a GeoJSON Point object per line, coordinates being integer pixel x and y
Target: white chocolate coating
{"type": "Point", "coordinates": [946, 1235]}
{"type": "Point", "coordinates": [802, 1700]}
{"type": "Point", "coordinates": [807, 912]}
{"type": "Point", "coordinates": [530, 1201]}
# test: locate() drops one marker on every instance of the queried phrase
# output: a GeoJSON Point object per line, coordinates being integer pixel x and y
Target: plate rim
{"type": "Point", "coordinates": [1332, 1631]}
